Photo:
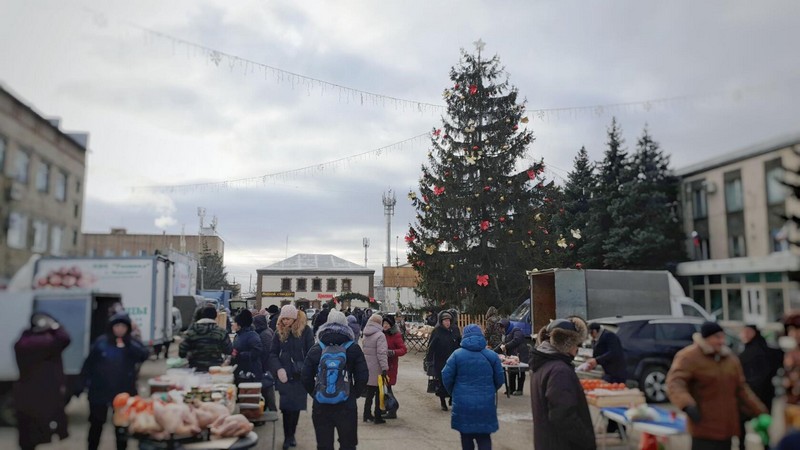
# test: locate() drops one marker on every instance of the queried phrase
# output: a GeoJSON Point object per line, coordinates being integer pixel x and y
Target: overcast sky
{"type": "Point", "coordinates": [163, 113]}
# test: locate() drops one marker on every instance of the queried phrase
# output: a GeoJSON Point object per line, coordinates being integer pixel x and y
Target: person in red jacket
{"type": "Point", "coordinates": [397, 348]}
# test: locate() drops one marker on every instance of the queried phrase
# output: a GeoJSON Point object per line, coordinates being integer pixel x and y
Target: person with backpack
{"type": "Point", "coordinates": [376, 352]}
{"type": "Point", "coordinates": [472, 376]}
{"type": "Point", "coordinates": [292, 341]}
{"type": "Point", "coordinates": [335, 374]}
{"type": "Point", "coordinates": [396, 349]}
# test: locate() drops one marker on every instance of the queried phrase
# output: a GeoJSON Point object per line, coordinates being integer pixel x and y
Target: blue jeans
{"type": "Point", "coordinates": [468, 441]}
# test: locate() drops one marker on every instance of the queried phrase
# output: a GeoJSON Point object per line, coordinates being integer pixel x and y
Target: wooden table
{"type": "Point", "coordinates": [523, 367]}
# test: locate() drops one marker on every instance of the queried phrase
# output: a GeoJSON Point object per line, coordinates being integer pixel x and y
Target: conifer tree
{"type": "Point", "coordinates": [481, 214]}
{"type": "Point", "coordinates": [577, 194]}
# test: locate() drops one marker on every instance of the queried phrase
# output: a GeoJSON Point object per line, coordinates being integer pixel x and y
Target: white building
{"type": "Point", "coordinates": [309, 280]}
{"type": "Point", "coordinates": [399, 283]}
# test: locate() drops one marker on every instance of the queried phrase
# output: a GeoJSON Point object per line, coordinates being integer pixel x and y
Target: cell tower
{"type": "Point", "coordinates": [365, 242]}
{"type": "Point", "coordinates": [388, 210]}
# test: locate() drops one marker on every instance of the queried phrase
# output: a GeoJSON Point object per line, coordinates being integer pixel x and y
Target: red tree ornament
{"type": "Point", "coordinates": [473, 89]}
{"type": "Point", "coordinates": [487, 188]}
{"type": "Point", "coordinates": [410, 237]}
{"type": "Point", "coordinates": [516, 127]}
{"type": "Point", "coordinates": [484, 225]}
{"type": "Point", "coordinates": [438, 190]}
{"type": "Point", "coordinates": [425, 198]}
{"type": "Point", "coordinates": [457, 86]}
{"type": "Point", "coordinates": [531, 174]}
{"type": "Point", "coordinates": [482, 280]}
{"type": "Point", "coordinates": [578, 266]}
{"type": "Point", "coordinates": [502, 218]}
{"type": "Point", "coordinates": [437, 132]}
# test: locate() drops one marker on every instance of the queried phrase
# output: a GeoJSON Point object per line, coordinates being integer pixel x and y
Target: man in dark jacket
{"type": "Point", "coordinates": [561, 419]}
{"type": "Point", "coordinates": [607, 353]}
{"type": "Point", "coordinates": [342, 417]}
{"type": "Point", "coordinates": [513, 344]}
{"type": "Point", "coordinates": [760, 363]}
{"type": "Point", "coordinates": [268, 382]}
{"type": "Point", "coordinates": [274, 312]}
{"type": "Point", "coordinates": [247, 350]}
{"type": "Point", "coordinates": [41, 391]}
{"type": "Point", "coordinates": [110, 369]}
{"type": "Point", "coordinates": [205, 342]}
{"type": "Point", "coordinates": [441, 344]}
{"type": "Point", "coordinates": [321, 317]}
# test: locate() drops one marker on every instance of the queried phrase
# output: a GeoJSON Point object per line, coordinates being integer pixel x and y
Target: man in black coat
{"type": "Point", "coordinates": [608, 353]}
{"type": "Point", "coordinates": [273, 312]}
{"type": "Point", "coordinates": [760, 363]}
{"type": "Point", "coordinates": [342, 417]}
{"type": "Point", "coordinates": [321, 317]}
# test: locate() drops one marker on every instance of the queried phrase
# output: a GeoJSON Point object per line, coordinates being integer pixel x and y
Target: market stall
{"type": "Point", "coordinates": [511, 363]}
{"type": "Point", "coordinates": [417, 337]}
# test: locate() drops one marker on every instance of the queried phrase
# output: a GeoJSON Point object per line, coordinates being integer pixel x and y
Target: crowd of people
{"type": "Point", "coordinates": [345, 355]}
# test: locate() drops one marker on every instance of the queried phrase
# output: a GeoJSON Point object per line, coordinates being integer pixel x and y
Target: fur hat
{"type": "Point", "coordinates": [288, 312]}
{"type": "Point", "coordinates": [389, 319]}
{"type": "Point", "coordinates": [208, 312]}
{"type": "Point", "coordinates": [376, 318]}
{"type": "Point", "coordinates": [244, 319]}
{"type": "Point", "coordinates": [710, 329]}
{"type": "Point", "coordinates": [337, 317]}
{"type": "Point", "coordinates": [273, 309]}
{"type": "Point", "coordinates": [567, 333]}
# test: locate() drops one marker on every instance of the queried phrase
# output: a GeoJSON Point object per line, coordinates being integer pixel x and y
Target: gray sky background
{"type": "Point", "coordinates": [163, 113]}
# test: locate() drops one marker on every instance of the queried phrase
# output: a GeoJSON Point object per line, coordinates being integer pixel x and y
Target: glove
{"type": "Point", "coordinates": [693, 412]}
{"type": "Point", "coordinates": [282, 375]}
{"type": "Point", "coordinates": [390, 353]}
{"type": "Point", "coordinates": [383, 372]}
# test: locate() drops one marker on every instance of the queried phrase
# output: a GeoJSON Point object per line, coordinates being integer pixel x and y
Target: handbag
{"type": "Point", "coordinates": [390, 402]}
{"type": "Point", "coordinates": [433, 384]}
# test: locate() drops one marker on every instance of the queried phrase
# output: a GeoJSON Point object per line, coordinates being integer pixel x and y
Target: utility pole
{"type": "Point", "coordinates": [389, 201]}
{"type": "Point", "coordinates": [365, 242]}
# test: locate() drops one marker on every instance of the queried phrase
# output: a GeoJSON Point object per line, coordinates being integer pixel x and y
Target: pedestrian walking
{"type": "Point", "coordinates": [472, 376]}
{"type": "Point", "coordinates": [376, 354]}
{"type": "Point", "coordinates": [561, 419]}
{"type": "Point", "coordinates": [273, 312]}
{"type": "Point", "coordinates": [342, 379]}
{"type": "Point", "coordinates": [791, 367]}
{"type": "Point", "coordinates": [265, 333]}
{"type": "Point", "coordinates": [365, 318]}
{"type": "Point", "coordinates": [352, 322]}
{"type": "Point", "coordinates": [247, 350]}
{"type": "Point", "coordinates": [494, 329]}
{"type": "Point", "coordinates": [760, 364]}
{"type": "Point", "coordinates": [706, 381]}
{"type": "Point", "coordinates": [608, 353]}
{"type": "Point", "coordinates": [396, 348]}
{"type": "Point", "coordinates": [442, 343]}
{"type": "Point", "coordinates": [205, 343]}
{"type": "Point", "coordinates": [321, 317]}
{"type": "Point", "coordinates": [110, 369]}
{"type": "Point", "coordinates": [514, 345]}
{"type": "Point", "coordinates": [40, 394]}
{"type": "Point", "coordinates": [293, 338]}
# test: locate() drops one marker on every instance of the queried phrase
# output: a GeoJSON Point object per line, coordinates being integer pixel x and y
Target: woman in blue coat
{"type": "Point", "coordinates": [247, 350]}
{"type": "Point", "coordinates": [472, 376]}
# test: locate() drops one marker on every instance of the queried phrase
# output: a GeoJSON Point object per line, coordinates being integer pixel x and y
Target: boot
{"type": "Point", "coordinates": [391, 414]}
{"type": "Point", "coordinates": [444, 403]}
{"type": "Point", "coordinates": [368, 417]}
{"type": "Point", "coordinates": [378, 419]}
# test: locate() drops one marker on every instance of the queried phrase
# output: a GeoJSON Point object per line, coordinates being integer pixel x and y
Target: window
{"type": "Point", "coordinates": [142, 252]}
{"type": "Point", "coordinates": [774, 305]}
{"type": "Point", "coordinates": [733, 192]}
{"type": "Point", "coordinates": [17, 236]}
{"type": "Point", "coordinates": [22, 164]}
{"type": "Point", "coordinates": [736, 247]}
{"type": "Point", "coordinates": [3, 146]}
{"type": "Point", "coordinates": [331, 285]}
{"type": "Point", "coordinates": [108, 252]}
{"type": "Point", "coordinates": [56, 245]}
{"type": "Point", "coordinates": [735, 305]}
{"type": "Point", "coordinates": [675, 331]}
{"type": "Point", "coordinates": [76, 210]}
{"type": "Point", "coordinates": [715, 303]}
{"type": "Point", "coordinates": [699, 206]}
{"type": "Point", "coordinates": [690, 311]}
{"type": "Point", "coordinates": [43, 177]}
{"type": "Point", "coordinates": [92, 252]}
{"type": "Point", "coordinates": [347, 285]}
{"type": "Point", "coordinates": [75, 238]}
{"type": "Point", "coordinates": [286, 284]}
{"type": "Point", "coordinates": [125, 253]}
{"type": "Point", "coordinates": [39, 236]}
{"type": "Point", "coordinates": [78, 186]}
{"type": "Point", "coordinates": [301, 284]}
{"type": "Point", "coordinates": [61, 186]}
{"type": "Point", "coordinates": [316, 284]}
{"type": "Point", "coordinates": [776, 192]}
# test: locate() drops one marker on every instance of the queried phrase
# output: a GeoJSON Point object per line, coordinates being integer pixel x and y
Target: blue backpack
{"type": "Point", "coordinates": [333, 380]}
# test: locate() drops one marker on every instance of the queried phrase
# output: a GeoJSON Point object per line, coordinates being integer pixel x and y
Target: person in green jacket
{"type": "Point", "coordinates": [205, 342]}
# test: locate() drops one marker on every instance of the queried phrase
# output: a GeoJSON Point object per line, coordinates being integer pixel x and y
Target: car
{"type": "Point", "coordinates": [650, 343]}
{"type": "Point", "coordinates": [310, 313]}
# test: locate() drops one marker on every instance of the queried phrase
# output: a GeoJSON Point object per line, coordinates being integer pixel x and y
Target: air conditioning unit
{"type": "Point", "coordinates": [16, 191]}
{"type": "Point", "coordinates": [710, 187]}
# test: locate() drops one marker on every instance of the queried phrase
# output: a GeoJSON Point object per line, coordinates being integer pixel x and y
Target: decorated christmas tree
{"type": "Point", "coordinates": [483, 214]}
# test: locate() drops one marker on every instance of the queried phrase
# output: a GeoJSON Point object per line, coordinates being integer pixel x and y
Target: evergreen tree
{"type": "Point", "coordinates": [645, 233]}
{"type": "Point", "coordinates": [211, 272]}
{"type": "Point", "coordinates": [613, 172]}
{"type": "Point", "coordinates": [577, 194]}
{"type": "Point", "coordinates": [481, 221]}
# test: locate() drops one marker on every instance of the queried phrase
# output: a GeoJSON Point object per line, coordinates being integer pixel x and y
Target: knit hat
{"type": "Point", "coordinates": [390, 320]}
{"type": "Point", "coordinates": [567, 333]}
{"type": "Point", "coordinates": [208, 312]}
{"type": "Point", "coordinates": [709, 329]}
{"type": "Point", "coordinates": [337, 317]}
{"type": "Point", "coordinates": [288, 312]}
{"type": "Point", "coordinates": [376, 318]}
{"type": "Point", "coordinates": [594, 326]}
{"type": "Point", "coordinates": [445, 315]}
{"type": "Point", "coordinates": [273, 309]}
{"type": "Point", "coordinates": [244, 319]}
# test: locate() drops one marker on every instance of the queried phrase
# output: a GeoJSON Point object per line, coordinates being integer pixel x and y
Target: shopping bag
{"type": "Point", "coordinates": [380, 393]}
{"type": "Point", "coordinates": [390, 402]}
{"type": "Point", "coordinates": [433, 385]}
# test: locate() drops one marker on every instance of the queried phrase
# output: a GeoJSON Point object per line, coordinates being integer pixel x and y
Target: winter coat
{"type": "Point", "coordinates": [261, 325]}
{"type": "Point", "coordinates": [442, 343]}
{"type": "Point", "coordinates": [337, 334]}
{"type": "Point", "coordinates": [320, 319]}
{"type": "Point", "coordinates": [715, 384]}
{"type": "Point", "coordinates": [352, 321]}
{"type": "Point", "coordinates": [204, 343]}
{"type": "Point", "coordinates": [395, 343]}
{"type": "Point", "coordinates": [760, 363]}
{"type": "Point", "coordinates": [375, 351]}
{"type": "Point", "coordinates": [561, 419]}
{"type": "Point", "coordinates": [608, 353]}
{"type": "Point", "coordinates": [472, 376]}
{"type": "Point", "coordinates": [290, 356]}
{"type": "Point", "coordinates": [494, 330]}
{"type": "Point", "coordinates": [515, 344]}
{"type": "Point", "coordinates": [110, 370]}
{"type": "Point", "coordinates": [273, 321]}
{"type": "Point", "coordinates": [40, 393]}
{"type": "Point", "coordinates": [248, 351]}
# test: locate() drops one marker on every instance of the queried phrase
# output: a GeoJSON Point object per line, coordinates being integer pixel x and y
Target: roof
{"type": "Point", "coordinates": [310, 262]}
{"type": "Point", "coordinates": [660, 318]}
{"type": "Point", "coordinates": [739, 155]}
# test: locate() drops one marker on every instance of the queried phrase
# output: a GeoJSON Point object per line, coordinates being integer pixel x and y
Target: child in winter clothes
{"type": "Point", "coordinates": [472, 376]}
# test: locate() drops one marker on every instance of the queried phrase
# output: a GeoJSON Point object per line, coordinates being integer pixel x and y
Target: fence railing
{"type": "Point", "coordinates": [466, 319]}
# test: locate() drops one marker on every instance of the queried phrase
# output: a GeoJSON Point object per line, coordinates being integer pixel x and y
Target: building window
{"type": "Point", "coordinates": [776, 192]}
{"type": "Point", "coordinates": [43, 177]}
{"type": "Point", "coordinates": [736, 247]}
{"type": "Point", "coordinates": [142, 252]}
{"type": "Point", "coordinates": [22, 163]}
{"type": "Point", "coordinates": [39, 236]}
{"type": "Point", "coordinates": [75, 238]}
{"type": "Point", "coordinates": [78, 186]}
{"type": "Point", "coordinates": [316, 284]}
{"type": "Point", "coordinates": [301, 284]}
{"type": "Point", "coordinates": [125, 253]}
{"type": "Point", "coordinates": [286, 284]}
{"type": "Point", "coordinates": [331, 285]}
{"type": "Point", "coordinates": [347, 285]}
{"type": "Point", "coordinates": [3, 146]}
{"type": "Point", "coordinates": [734, 207]}
{"type": "Point", "coordinates": [61, 186]}
{"type": "Point", "coordinates": [699, 205]}
{"type": "Point", "coordinates": [17, 236]}
{"type": "Point", "coordinates": [776, 206]}
{"type": "Point", "coordinates": [733, 192]}
{"type": "Point", "coordinates": [108, 252]}
{"type": "Point", "coordinates": [91, 252]}
{"type": "Point", "coordinates": [56, 245]}
{"type": "Point", "coordinates": [76, 210]}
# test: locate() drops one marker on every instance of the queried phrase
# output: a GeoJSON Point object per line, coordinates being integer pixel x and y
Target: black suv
{"type": "Point", "coordinates": [650, 343]}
